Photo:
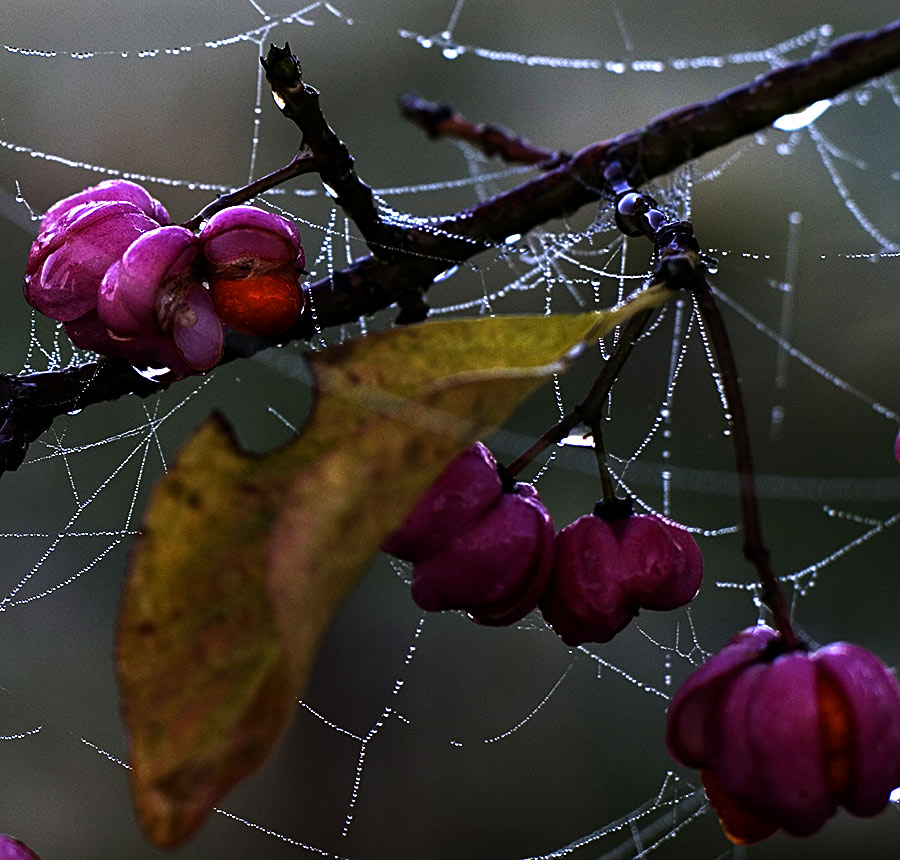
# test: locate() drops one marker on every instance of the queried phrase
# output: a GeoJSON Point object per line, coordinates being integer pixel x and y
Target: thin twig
{"type": "Point", "coordinates": [440, 119]}
{"type": "Point", "coordinates": [754, 547]}
{"type": "Point", "coordinates": [300, 164]}
{"type": "Point", "coordinates": [299, 102]}
{"type": "Point", "coordinates": [589, 410]}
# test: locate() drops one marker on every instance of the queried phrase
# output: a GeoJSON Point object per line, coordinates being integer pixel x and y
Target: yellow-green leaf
{"type": "Point", "coordinates": [244, 559]}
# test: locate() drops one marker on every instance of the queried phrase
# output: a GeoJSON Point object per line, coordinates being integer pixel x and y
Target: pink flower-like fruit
{"type": "Point", "coordinates": [80, 238]}
{"type": "Point", "coordinates": [126, 284]}
{"type": "Point", "coordinates": [255, 259]}
{"type": "Point", "coordinates": [112, 190]}
{"type": "Point", "coordinates": [782, 738]}
{"type": "Point", "coordinates": [461, 495]}
{"type": "Point", "coordinates": [611, 564]}
{"type": "Point", "coordinates": [154, 307]}
{"type": "Point", "coordinates": [12, 849]}
{"type": "Point", "coordinates": [497, 567]}
{"type": "Point", "coordinates": [476, 546]}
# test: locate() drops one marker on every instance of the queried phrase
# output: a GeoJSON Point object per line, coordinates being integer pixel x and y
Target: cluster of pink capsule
{"type": "Point", "coordinates": [491, 550]}
{"type": "Point", "coordinates": [782, 736]}
{"type": "Point", "coordinates": [126, 283]}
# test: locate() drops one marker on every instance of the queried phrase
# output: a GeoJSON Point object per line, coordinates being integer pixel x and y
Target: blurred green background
{"type": "Point", "coordinates": [430, 786]}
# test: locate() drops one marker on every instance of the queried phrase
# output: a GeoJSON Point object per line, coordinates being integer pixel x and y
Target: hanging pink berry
{"type": "Point", "coordinates": [478, 543]}
{"type": "Point", "coordinates": [155, 308]}
{"type": "Point", "coordinates": [495, 568]}
{"type": "Point", "coordinates": [80, 238]}
{"type": "Point", "coordinates": [12, 849]}
{"type": "Point", "coordinates": [255, 259]}
{"type": "Point", "coordinates": [461, 495]}
{"type": "Point", "coordinates": [611, 564]}
{"type": "Point", "coordinates": [783, 738]}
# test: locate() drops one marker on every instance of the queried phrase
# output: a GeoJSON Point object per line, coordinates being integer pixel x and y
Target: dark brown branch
{"type": "Point", "coordinates": [408, 260]}
{"type": "Point", "coordinates": [299, 102]}
{"type": "Point", "coordinates": [440, 119]}
{"type": "Point", "coordinates": [678, 136]}
{"type": "Point", "coordinates": [29, 403]}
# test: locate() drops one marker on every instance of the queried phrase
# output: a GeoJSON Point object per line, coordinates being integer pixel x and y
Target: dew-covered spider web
{"type": "Point", "coordinates": [428, 736]}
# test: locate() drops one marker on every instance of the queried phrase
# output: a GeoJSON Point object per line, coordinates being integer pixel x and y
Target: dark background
{"type": "Point", "coordinates": [593, 753]}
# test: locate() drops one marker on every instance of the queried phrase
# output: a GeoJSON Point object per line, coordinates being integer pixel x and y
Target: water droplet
{"type": "Point", "coordinates": [447, 273]}
{"type": "Point", "coordinates": [451, 52]}
{"type": "Point", "coordinates": [801, 119]}
{"type": "Point", "coordinates": [512, 238]}
{"type": "Point", "coordinates": [151, 373]}
{"type": "Point", "coordinates": [426, 43]}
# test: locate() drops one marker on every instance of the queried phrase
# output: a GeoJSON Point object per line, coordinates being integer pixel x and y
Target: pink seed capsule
{"type": "Point", "coordinates": [782, 738]}
{"type": "Point", "coordinates": [154, 306]}
{"type": "Point", "coordinates": [12, 849]}
{"type": "Point", "coordinates": [464, 491]}
{"type": "Point", "coordinates": [254, 263]}
{"type": "Point", "coordinates": [112, 190]}
{"type": "Point", "coordinates": [496, 567]}
{"type": "Point", "coordinates": [80, 237]}
{"type": "Point", "coordinates": [68, 259]}
{"type": "Point", "coordinates": [610, 565]}
{"type": "Point", "coordinates": [244, 240]}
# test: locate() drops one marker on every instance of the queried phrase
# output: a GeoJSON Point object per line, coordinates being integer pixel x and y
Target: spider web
{"type": "Point", "coordinates": [427, 736]}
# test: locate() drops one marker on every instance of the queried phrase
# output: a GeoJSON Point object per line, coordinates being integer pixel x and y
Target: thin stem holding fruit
{"type": "Point", "coordinates": [681, 262]}
{"type": "Point", "coordinates": [754, 547]}
{"type": "Point", "coordinates": [300, 164]}
{"type": "Point", "coordinates": [589, 410]}
{"type": "Point", "coordinates": [606, 481]}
